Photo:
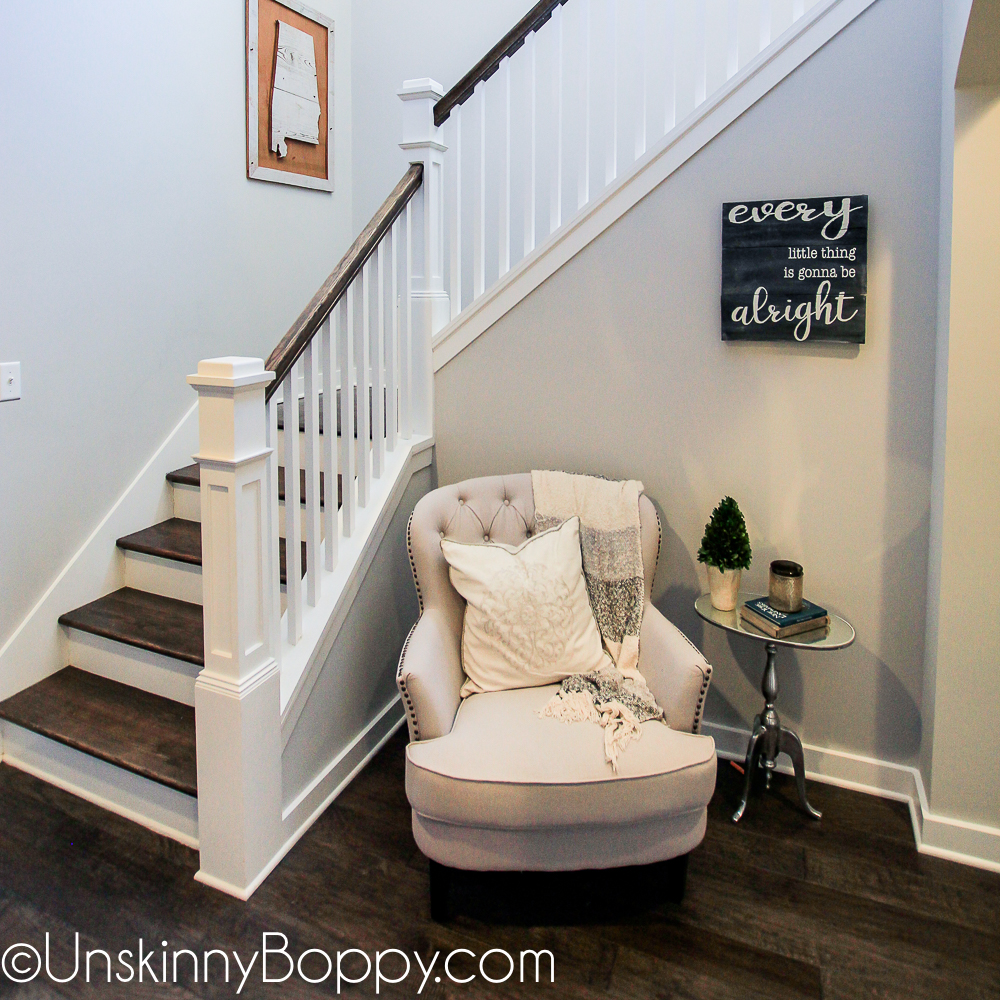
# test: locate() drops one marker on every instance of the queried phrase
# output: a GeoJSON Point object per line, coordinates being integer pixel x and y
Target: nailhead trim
{"type": "Point", "coordinates": [413, 567]}
{"type": "Point", "coordinates": [411, 715]}
{"type": "Point", "coordinates": [707, 673]}
{"type": "Point", "coordinates": [659, 542]}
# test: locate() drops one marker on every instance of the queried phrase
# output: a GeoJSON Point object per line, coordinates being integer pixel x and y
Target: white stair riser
{"type": "Point", "coordinates": [187, 504]}
{"type": "Point", "coordinates": [166, 577]}
{"type": "Point", "coordinates": [140, 668]}
{"type": "Point", "coordinates": [163, 810]}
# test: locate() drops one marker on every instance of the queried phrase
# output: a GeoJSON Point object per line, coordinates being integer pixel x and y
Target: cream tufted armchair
{"type": "Point", "coordinates": [493, 786]}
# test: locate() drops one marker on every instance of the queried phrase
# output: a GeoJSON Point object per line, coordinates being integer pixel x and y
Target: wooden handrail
{"type": "Point", "coordinates": [489, 64]}
{"type": "Point", "coordinates": [294, 342]}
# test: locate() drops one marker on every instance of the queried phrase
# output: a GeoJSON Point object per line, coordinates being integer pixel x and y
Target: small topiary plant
{"type": "Point", "coordinates": [726, 544]}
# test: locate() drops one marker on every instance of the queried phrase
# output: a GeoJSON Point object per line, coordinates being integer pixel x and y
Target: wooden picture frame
{"type": "Point", "coordinates": [307, 160]}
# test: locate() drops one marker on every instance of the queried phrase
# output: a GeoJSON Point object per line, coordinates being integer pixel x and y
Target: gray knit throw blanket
{"type": "Point", "coordinates": [615, 696]}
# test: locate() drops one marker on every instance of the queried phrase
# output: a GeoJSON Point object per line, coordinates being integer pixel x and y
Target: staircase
{"type": "Point", "coordinates": [127, 699]}
{"type": "Point", "coordinates": [200, 691]}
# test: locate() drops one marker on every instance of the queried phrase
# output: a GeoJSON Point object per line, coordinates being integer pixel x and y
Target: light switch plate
{"type": "Point", "coordinates": [10, 380]}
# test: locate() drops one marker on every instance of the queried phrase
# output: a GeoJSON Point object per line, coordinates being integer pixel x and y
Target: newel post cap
{"type": "Point", "coordinates": [419, 130]}
{"type": "Point", "coordinates": [231, 372]}
{"type": "Point", "coordinates": [414, 90]}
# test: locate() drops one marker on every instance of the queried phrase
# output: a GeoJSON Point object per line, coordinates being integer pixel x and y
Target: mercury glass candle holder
{"type": "Point", "coordinates": [785, 586]}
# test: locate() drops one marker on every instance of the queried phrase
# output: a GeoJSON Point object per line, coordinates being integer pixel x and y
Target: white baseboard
{"type": "Point", "coordinates": [317, 796]}
{"type": "Point", "coordinates": [941, 836]}
{"type": "Point", "coordinates": [35, 649]}
{"type": "Point", "coordinates": [163, 810]}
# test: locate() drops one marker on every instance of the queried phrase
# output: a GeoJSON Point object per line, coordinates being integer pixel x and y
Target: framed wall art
{"type": "Point", "coordinates": [795, 270]}
{"type": "Point", "coordinates": [289, 94]}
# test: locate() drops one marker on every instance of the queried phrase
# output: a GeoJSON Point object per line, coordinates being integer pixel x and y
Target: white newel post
{"type": "Point", "coordinates": [237, 701]}
{"type": "Point", "coordinates": [423, 141]}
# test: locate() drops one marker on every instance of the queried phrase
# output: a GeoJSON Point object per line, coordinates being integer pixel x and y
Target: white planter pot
{"type": "Point", "coordinates": [724, 586]}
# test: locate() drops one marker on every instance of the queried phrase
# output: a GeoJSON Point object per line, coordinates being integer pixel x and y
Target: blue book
{"type": "Point", "coordinates": [784, 618]}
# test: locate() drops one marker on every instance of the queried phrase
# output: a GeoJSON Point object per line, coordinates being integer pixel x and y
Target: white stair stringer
{"type": "Point", "coordinates": [761, 75]}
{"type": "Point", "coordinates": [301, 663]}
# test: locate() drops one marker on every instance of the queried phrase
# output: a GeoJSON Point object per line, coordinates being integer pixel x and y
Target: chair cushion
{"type": "Point", "coordinates": [503, 767]}
{"type": "Point", "coordinates": [528, 619]}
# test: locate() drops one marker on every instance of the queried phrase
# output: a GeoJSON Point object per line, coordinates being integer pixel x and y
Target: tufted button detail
{"type": "Point", "coordinates": [442, 534]}
{"type": "Point", "coordinates": [486, 538]}
{"type": "Point", "coordinates": [506, 503]}
{"type": "Point", "coordinates": [461, 503]}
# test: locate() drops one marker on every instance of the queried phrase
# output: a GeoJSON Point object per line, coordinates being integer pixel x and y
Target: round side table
{"type": "Point", "coordinates": [769, 736]}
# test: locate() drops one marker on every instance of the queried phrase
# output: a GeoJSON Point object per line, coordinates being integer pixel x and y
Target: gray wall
{"type": "Point", "coordinates": [132, 246]}
{"type": "Point", "coordinates": [397, 40]}
{"type": "Point", "coordinates": [615, 366]}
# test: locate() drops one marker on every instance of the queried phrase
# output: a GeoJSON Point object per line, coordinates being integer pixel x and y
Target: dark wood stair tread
{"type": "Point", "coordinates": [181, 540]}
{"type": "Point", "coordinates": [149, 621]}
{"type": "Point", "coordinates": [190, 476]}
{"type": "Point", "coordinates": [176, 538]}
{"type": "Point", "coordinates": [141, 732]}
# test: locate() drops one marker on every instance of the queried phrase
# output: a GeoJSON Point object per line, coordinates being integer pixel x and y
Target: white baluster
{"type": "Point", "coordinates": [670, 65]}
{"type": "Point", "coordinates": [378, 370]}
{"type": "Point", "coordinates": [479, 219]}
{"type": "Point", "coordinates": [531, 65]}
{"type": "Point", "coordinates": [455, 290]}
{"type": "Point", "coordinates": [640, 124]}
{"type": "Point", "coordinates": [406, 336]}
{"type": "Point", "coordinates": [555, 193]}
{"type": "Point", "coordinates": [345, 351]}
{"type": "Point", "coordinates": [611, 154]}
{"type": "Point", "coordinates": [504, 258]}
{"type": "Point", "coordinates": [310, 462]}
{"type": "Point", "coordinates": [392, 349]}
{"type": "Point", "coordinates": [700, 55]}
{"type": "Point", "coordinates": [362, 335]}
{"type": "Point", "coordinates": [293, 522]}
{"type": "Point", "coordinates": [765, 24]}
{"type": "Point", "coordinates": [329, 440]}
{"type": "Point", "coordinates": [583, 182]}
{"type": "Point", "coordinates": [732, 39]}
{"type": "Point", "coordinates": [273, 524]}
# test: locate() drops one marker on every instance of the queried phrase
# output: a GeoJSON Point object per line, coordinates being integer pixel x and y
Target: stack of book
{"type": "Point", "coordinates": [781, 624]}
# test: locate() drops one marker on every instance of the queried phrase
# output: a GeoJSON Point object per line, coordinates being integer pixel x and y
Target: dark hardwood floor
{"type": "Point", "coordinates": [777, 907]}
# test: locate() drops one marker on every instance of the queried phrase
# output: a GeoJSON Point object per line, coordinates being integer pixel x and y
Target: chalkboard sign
{"type": "Point", "coordinates": [795, 270]}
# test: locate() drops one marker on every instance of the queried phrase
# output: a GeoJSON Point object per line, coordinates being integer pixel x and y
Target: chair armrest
{"type": "Point", "coordinates": [430, 676]}
{"type": "Point", "coordinates": [676, 672]}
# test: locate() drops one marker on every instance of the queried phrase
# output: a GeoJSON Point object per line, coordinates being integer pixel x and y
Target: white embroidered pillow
{"type": "Point", "coordinates": [528, 619]}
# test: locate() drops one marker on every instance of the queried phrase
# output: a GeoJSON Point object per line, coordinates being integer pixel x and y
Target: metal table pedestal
{"type": "Point", "coordinates": [769, 738]}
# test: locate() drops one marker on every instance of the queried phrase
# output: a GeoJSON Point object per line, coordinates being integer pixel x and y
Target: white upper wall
{"type": "Point", "coordinates": [133, 245]}
{"type": "Point", "coordinates": [397, 40]}
{"type": "Point", "coordinates": [615, 366]}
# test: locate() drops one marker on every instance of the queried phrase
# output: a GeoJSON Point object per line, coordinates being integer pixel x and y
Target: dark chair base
{"type": "Point", "coordinates": [539, 898]}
